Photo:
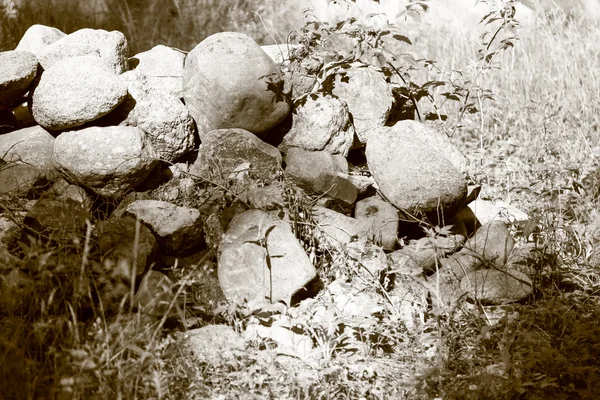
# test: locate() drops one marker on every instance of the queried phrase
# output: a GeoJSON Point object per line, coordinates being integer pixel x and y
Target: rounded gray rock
{"type": "Point", "coordinates": [75, 91]}
{"type": "Point", "coordinates": [109, 160]}
{"type": "Point", "coordinates": [110, 47]}
{"type": "Point", "coordinates": [17, 71]}
{"type": "Point", "coordinates": [322, 123]}
{"type": "Point", "coordinates": [414, 176]}
{"type": "Point", "coordinates": [230, 82]}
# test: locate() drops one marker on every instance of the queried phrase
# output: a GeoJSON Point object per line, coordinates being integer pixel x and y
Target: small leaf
{"type": "Point", "coordinates": [402, 38]}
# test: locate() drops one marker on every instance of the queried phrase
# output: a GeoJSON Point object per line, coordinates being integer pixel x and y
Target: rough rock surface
{"type": "Point", "coordinates": [37, 37]}
{"type": "Point", "coordinates": [179, 229]}
{"type": "Point", "coordinates": [109, 161]}
{"type": "Point", "coordinates": [368, 96]}
{"type": "Point", "coordinates": [493, 242]}
{"type": "Point", "coordinates": [230, 82]}
{"type": "Point", "coordinates": [161, 116]}
{"type": "Point", "coordinates": [75, 91]}
{"type": "Point", "coordinates": [117, 242]}
{"type": "Point", "coordinates": [31, 146]}
{"type": "Point", "coordinates": [163, 68]}
{"type": "Point", "coordinates": [17, 71]}
{"type": "Point", "coordinates": [213, 344]}
{"type": "Point", "coordinates": [248, 272]}
{"type": "Point", "coordinates": [497, 287]}
{"type": "Point", "coordinates": [381, 220]}
{"type": "Point", "coordinates": [110, 47]}
{"type": "Point", "coordinates": [224, 152]}
{"type": "Point", "coordinates": [337, 229]}
{"type": "Point", "coordinates": [322, 123]}
{"type": "Point", "coordinates": [414, 176]}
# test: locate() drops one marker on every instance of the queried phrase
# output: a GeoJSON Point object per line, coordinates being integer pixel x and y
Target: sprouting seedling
{"type": "Point", "coordinates": [263, 242]}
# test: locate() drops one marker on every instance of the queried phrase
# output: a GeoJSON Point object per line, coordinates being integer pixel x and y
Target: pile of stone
{"type": "Point", "coordinates": [82, 120]}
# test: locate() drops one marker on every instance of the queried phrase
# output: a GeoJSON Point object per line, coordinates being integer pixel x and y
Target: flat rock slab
{"type": "Point", "coordinates": [75, 91]}
{"type": "Point", "coordinates": [230, 82]}
{"type": "Point", "coordinates": [249, 273]}
{"type": "Point", "coordinates": [179, 229]}
{"type": "Point", "coordinates": [17, 71]}
{"type": "Point", "coordinates": [110, 160]}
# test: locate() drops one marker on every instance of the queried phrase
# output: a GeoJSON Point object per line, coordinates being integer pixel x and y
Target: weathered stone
{"type": "Point", "coordinates": [381, 220]}
{"type": "Point", "coordinates": [57, 221]}
{"type": "Point", "coordinates": [37, 37]}
{"type": "Point", "coordinates": [492, 242]}
{"type": "Point", "coordinates": [267, 198]}
{"type": "Point", "coordinates": [486, 211]}
{"type": "Point", "coordinates": [261, 261]}
{"type": "Point", "coordinates": [179, 229]}
{"type": "Point", "coordinates": [337, 229]}
{"type": "Point", "coordinates": [62, 189]}
{"type": "Point", "coordinates": [118, 242]}
{"type": "Point", "coordinates": [213, 344]}
{"type": "Point", "coordinates": [31, 146]}
{"type": "Point", "coordinates": [367, 94]}
{"type": "Point", "coordinates": [496, 287]}
{"type": "Point", "coordinates": [75, 91]}
{"type": "Point", "coordinates": [163, 68]}
{"type": "Point", "coordinates": [230, 82]}
{"type": "Point", "coordinates": [412, 175]}
{"type": "Point", "coordinates": [109, 161]}
{"type": "Point", "coordinates": [223, 151]}
{"type": "Point", "coordinates": [155, 296]}
{"type": "Point", "coordinates": [404, 264]}
{"type": "Point", "coordinates": [17, 71]}
{"type": "Point", "coordinates": [161, 116]}
{"type": "Point", "coordinates": [110, 47]}
{"type": "Point", "coordinates": [322, 123]}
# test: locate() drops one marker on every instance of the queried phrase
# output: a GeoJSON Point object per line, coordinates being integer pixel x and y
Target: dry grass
{"type": "Point", "coordinates": [535, 147]}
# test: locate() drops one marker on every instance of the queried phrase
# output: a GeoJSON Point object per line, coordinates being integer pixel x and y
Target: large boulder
{"type": "Point", "coordinates": [37, 37]}
{"type": "Point", "coordinates": [368, 96]}
{"type": "Point", "coordinates": [17, 71]}
{"type": "Point", "coordinates": [75, 91]}
{"type": "Point", "coordinates": [413, 175]}
{"type": "Point", "coordinates": [321, 123]}
{"type": "Point", "coordinates": [162, 116]}
{"type": "Point", "coordinates": [110, 47]}
{"type": "Point", "coordinates": [261, 261]}
{"type": "Point", "coordinates": [227, 152]}
{"type": "Point", "coordinates": [230, 82]}
{"type": "Point", "coordinates": [110, 160]}
{"type": "Point", "coordinates": [163, 68]}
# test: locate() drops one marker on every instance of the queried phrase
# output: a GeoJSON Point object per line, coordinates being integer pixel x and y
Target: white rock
{"type": "Point", "coordinates": [163, 68]}
{"type": "Point", "coordinates": [17, 71]}
{"type": "Point", "coordinates": [75, 91]}
{"type": "Point", "coordinates": [32, 146]}
{"type": "Point", "coordinates": [37, 37]}
{"type": "Point", "coordinates": [110, 47]}
{"type": "Point", "coordinates": [109, 161]}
